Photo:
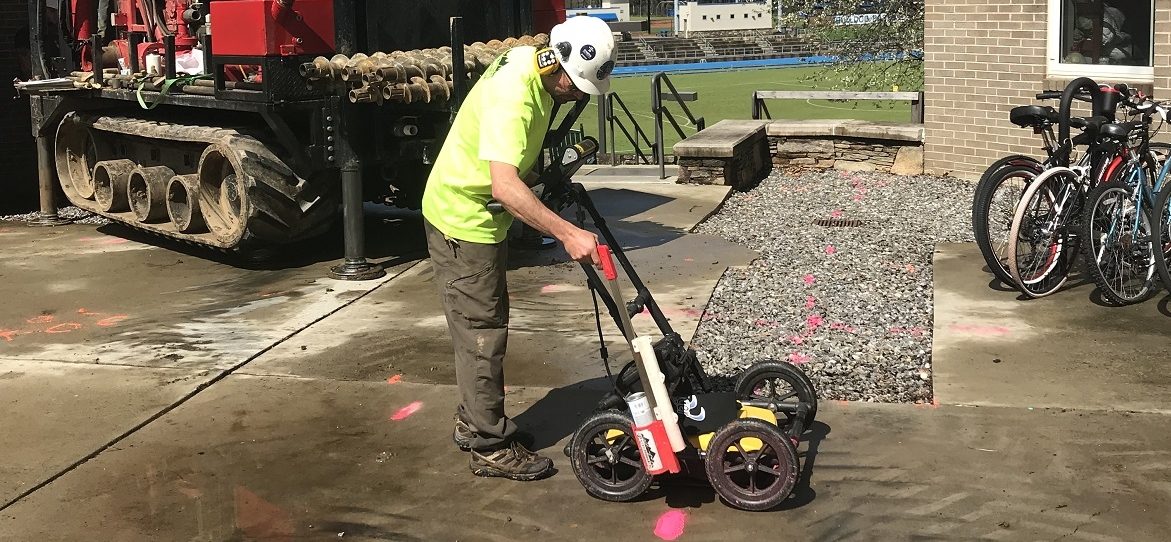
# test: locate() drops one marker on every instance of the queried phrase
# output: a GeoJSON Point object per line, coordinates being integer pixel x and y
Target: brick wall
{"type": "Point", "coordinates": [18, 183]}
{"type": "Point", "coordinates": [984, 57]}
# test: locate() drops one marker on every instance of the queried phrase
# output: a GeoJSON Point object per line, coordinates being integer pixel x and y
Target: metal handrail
{"type": "Point", "coordinates": [606, 115]}
{"type": "Point", "coordinates": [660, 111]}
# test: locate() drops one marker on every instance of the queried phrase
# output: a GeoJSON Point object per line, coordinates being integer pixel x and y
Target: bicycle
{"type": "Point", "coordinates": [1119, 240]}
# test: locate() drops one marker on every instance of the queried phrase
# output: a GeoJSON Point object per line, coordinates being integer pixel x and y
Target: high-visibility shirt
{"type": "Point", "coordinates": [503, 119]}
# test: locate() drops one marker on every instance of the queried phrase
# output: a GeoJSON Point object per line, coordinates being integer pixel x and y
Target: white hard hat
{"type": "Point", "coordinates": [585, 48]}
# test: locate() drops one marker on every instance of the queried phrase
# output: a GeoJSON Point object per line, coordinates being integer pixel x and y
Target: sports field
{"type": "Point", "coordinates": [727, 94]}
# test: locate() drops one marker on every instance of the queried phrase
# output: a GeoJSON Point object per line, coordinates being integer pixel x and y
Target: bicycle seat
{"type": "Point", "coordinates": [1119, 130]}
{"type": "Point", "coordinates": [1032, 115]}
{"type": "Point", "coordinates": [1089, 126]}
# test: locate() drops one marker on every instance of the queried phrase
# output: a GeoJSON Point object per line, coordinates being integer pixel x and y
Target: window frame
{"type": "Point", "coordinates": [1057, 69]}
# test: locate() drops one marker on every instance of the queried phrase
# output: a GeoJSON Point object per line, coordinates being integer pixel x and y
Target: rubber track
{"type": "Point", "coordinates": [276, 212]}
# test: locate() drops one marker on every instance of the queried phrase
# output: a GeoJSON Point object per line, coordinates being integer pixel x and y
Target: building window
{"type": "Point", "coordinates": [1096, 38]}
{"type": "Point", "coordinates": [731, 15]}
{"type": "Point", "coordinates": [717, 16]}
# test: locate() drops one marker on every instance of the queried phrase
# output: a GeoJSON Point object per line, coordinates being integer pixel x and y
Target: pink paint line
{"type": "Point", "coordinates": [670, 525]}
{"type": "Point", "coordinates": [797, 358]}
{"type": "Point", "coordinates": [830, 250]}
{"type": "Point", "coordinates": [405, 412]}
{"type": "Point", "coordinates": [394, 379]}
{"type": "Point", "coordinates": [810, 302]}
{"type": "Point", "coordinates": [836, 213]}
{"type": "Point", "coordinates": [555, 288]}
{"type": "Point", "coordinates": [797, 339]}
{"type": "Point", "coordinates": [983, 331]}
{"type": "Point", "coordinates": [809, 280]}
{"type": "Point", "coordinates": [813, 321]}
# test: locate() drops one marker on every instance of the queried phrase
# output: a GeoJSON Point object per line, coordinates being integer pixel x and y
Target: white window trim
{"type": "Point", "coordinates": [1057, 69]}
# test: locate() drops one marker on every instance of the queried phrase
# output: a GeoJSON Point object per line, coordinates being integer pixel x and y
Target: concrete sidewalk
{"type": "Point", "coordinates": [153, 394]}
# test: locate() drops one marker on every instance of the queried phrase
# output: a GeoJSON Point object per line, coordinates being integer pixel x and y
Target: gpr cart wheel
{"type": "Point", "coordinates": [780, 382]}
{"type": "Point", "coordinates": [605, 457]}
{"type": "Point", "coordinates": [752, 464]}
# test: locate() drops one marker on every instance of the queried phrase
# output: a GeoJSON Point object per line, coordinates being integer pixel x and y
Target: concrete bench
{"type": "Point", "coordinates": [846, 144]}
{"type": "Point", "coordinates": [730, 152]}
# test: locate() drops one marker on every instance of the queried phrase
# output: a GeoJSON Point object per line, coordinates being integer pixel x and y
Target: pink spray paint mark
{"type": "Point", "coordinates": [810, 302]}
{"type": "Point", "coordinates": [797, 358]}
{"type": "Point", "coordinates": [761, 322]}
{"type": "Point", "coordinates": [555, 288]}
{"type": "Point", "coordinates": [830, 250]}
{"type": "Point", "coordinates": [857, 197]}
{"type": "Point", "coordinates": [836, 213]}
{"type": "Point", "coordinates": [670, 525]}
{"type": "Point", "coordinates": [43, 319]}
{"type": "Point", "coordinates": [813, 321]}
{"type": "Point", "coordinates": [689, 259]}
{"type": "Point", "coordinates": [797, 339]}
{"type": "Point", "coordinates": [983, 331]}
{"type": "Point", "coordinates": [394, 379]}
{"type": "Point", "coordinates": [8, 334]}
{"type": "Point", "coordinates": [109, 321]}
{"type": "Point", "coordinates": [405, 412]}
{"type": "Point", "coordinates": [911, 268]}
{"type": "Point", "coordinates": [809, 280]}
{"type": "Point", "coordinates": [64, 328]}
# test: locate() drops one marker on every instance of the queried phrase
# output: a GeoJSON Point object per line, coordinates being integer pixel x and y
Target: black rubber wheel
{"type": "Point", "coordinates": [752, 479]}
{"type": "Point", "coordinates": [608, 464]}
{"type": "Point", "coordinates": [1161, 217]}
{"type": "Point", "coordinates": [781, 382]}
{"type": "Point", "coordinates": [1117, 235]}
{"type": "Point", "coordinates": [993, 206]}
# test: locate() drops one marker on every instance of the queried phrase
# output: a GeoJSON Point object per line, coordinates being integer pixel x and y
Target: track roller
{"type": "Point", "coordinates": [146, 189]}
{"type": "Point", "coordinates": [183, 204]}
{"type": "Point", "coordinates": [110, 180]}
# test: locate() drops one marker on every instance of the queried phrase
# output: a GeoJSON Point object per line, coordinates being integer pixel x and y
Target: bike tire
{"type": "Point", "coordinates": [993, 207]}
{"type": "Point", "coordinates": [1045, 233]}
{"type": "Point", "coordinates": [1161, 217]}
{"type": "Point", "coordinates": [1110, 210]}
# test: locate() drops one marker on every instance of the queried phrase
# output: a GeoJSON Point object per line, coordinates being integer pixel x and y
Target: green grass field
{"type": "Point", "coordinates": [728, 95]}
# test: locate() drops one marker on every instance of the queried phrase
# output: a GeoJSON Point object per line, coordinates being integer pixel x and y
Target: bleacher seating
{"type": "Point", "coordinates": [644, 50]}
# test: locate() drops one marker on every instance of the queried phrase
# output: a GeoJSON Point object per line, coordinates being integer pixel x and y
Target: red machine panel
{"type": "Point", "coordinates": [265, 28]}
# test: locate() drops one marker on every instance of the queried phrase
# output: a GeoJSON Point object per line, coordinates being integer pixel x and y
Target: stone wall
{"type": "Point", "coordinates": [857, 154]}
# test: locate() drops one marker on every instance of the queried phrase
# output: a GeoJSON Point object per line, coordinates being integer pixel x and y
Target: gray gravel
{"type": "Point", "coordinates": [76, 214]}
{"type": "Point", "coordinates": [856, 317]}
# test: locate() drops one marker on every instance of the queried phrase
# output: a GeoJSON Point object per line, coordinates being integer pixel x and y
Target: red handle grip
{"type": "Point", "coordinates": [608, 268]}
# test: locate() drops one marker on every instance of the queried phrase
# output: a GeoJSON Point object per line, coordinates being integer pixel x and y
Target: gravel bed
{"type": "Point", "coordinates": [852, 306]}
{"type": "Point", "coordinates": [76, 214]}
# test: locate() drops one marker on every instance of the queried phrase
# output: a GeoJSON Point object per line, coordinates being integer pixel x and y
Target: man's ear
{"type": "Point", "coordinates": [547, 61]}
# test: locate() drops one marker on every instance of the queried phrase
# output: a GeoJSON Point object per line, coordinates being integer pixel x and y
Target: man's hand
{"type": "Point", "coordinates": [515, 196]}
{"type": "Point", "coordinates": [581, 245]}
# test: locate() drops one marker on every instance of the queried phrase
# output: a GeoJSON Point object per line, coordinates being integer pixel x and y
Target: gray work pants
{"type": "Point", "coordinates": [474, 291]}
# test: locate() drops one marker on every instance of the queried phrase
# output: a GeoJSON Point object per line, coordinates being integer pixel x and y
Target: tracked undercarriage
{"type": "Point", "coordinates": [220, 187]}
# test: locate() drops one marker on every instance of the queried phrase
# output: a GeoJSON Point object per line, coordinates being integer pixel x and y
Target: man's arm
{"type": "Point", "coordinates": [518, 199]}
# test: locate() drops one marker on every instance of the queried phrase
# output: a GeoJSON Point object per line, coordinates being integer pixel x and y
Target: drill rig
{"type": "Point", "coordinates": [237, 124]}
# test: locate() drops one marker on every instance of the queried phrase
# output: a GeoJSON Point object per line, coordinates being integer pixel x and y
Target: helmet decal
{"type": "Point", "coordinates": [604, 71]}
{"type": "Point", "coordinates": [565, 48]}
{"type": "Point", "coordinates": [588, 52]}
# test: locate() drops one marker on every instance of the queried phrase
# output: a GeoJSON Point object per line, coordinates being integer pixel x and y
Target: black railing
{"type": "Point", "coordinates": [662, 112]}
{"type": "Point", "coordinates": [609, 118]}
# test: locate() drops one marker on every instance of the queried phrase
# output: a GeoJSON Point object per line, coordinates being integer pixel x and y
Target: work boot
{"type": "Point", "coordinates": [463, 435]}
{"type": "Point", "coordinates": [514, 462]}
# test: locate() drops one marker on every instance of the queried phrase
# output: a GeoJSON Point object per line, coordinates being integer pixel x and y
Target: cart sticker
{"type": "Point", "coordinates": [646, 443]}
{"type": "Point", "coordinates": [689, 404]}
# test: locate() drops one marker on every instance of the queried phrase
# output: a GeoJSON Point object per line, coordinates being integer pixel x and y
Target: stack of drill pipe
{"type": "Point", "coordinates": [421, 75]}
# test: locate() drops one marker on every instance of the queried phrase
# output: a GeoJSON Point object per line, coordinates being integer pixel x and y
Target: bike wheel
{"type": "Point", "coordinates": [1043, 238]}
{"type": "Point", "coordinates": [1161, 217]}
{"type": "Point", "coordinates": [1117, 237]}
{"type": "Point", "coordinates": [993, 206]}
